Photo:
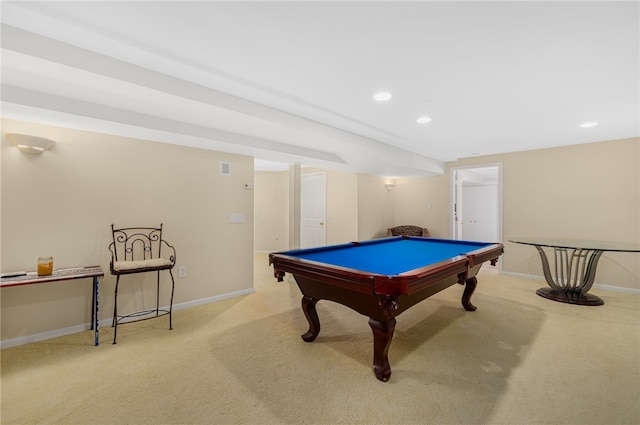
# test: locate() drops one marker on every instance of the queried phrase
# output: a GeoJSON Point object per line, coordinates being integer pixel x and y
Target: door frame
{"type": "Point", "coordinates": [454, 186]}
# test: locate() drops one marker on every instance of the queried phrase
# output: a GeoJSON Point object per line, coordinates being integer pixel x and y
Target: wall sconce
{"type": "Point", "coordinates": [30, 144]}
{"type": "Point", "coordinates": [389, 185]}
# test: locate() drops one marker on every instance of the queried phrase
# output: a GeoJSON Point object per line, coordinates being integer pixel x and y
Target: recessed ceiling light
{"type": "Point", "coordinates": [382, 96]}
{"type": "Point", "coordinates": [588, 124]}
{"type": "Point", "coordinates": [423, 119]}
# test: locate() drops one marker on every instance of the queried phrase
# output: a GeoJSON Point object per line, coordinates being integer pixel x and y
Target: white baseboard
{"type": "Point", "coordinates": [617, 288]}
{"type": "Point", "coordinates": [13, 342]}
{"type": "Point", "coordinates": [210, 300]}
{"type": "Point", "coordinates": [596, 285]}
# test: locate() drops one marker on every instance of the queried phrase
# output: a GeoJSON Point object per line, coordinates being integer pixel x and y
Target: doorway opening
{"type": "Point", "coordinates": [476, 210]}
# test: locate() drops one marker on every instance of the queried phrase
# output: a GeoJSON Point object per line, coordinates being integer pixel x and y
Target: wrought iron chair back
{"type": "Point", "coordinates": [136, 243]}
{"type": "Point", "coordinates": [140, 250]}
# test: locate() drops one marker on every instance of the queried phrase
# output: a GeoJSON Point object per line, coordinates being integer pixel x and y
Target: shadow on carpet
{"type": "Point", "coordinates": [448, 365]}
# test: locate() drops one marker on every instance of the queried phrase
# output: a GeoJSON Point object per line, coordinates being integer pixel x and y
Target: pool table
{"type": "Point", "coordinates": [381, 278]}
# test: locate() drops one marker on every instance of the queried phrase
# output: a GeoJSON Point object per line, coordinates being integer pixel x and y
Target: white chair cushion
{"type": "Point", "coordinates": [141, 264]}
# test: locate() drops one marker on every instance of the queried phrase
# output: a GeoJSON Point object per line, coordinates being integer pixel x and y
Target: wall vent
{"type": "Point", "coordinates": [225, 168]}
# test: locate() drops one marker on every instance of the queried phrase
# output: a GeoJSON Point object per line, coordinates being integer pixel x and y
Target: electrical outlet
{"type": "Point", "coordinates": [182, 271]}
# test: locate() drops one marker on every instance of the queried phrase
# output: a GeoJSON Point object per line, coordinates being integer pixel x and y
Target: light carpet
{"type": "Point", "coordinates": [518, 359]}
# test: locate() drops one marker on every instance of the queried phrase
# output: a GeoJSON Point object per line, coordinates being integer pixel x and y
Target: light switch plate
{"type": "Point", "coordinates": [237, 218]}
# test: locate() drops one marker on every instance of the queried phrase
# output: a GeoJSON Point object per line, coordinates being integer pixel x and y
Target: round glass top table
{"type": "Point", "coordinates": [575, 266]}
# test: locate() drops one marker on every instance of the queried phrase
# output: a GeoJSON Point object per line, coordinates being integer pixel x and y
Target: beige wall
{"type": "Point", "coordinates": [358, 207]}
{"type": "Point", "coordinates": [588, 191]}
{"type": "Point", "coordinates": [272, 208]}
{"type": "Point", "coordinates": [342, 207]}
{"type": "Point", "coordinates": [62, 202]}
{"type": "Point", "coordinates": [413, 197]}
{"type": "Point", "coordinates": [271, 211]}
{"type": "Point", "coordinates": [376, 206]}
{"type": "Point", "coordinates": [406, 203]}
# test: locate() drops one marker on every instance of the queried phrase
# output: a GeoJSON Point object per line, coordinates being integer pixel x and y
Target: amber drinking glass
{"type": "Point", "coordinates": [45, 266]}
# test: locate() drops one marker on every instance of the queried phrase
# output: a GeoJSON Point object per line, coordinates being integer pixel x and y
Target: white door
{"type": "Point", "coordinates": [476, 210]}
{"type": "Point", "coordinates": [480, 213]}
{"type": "Point", "coordinates": [313, 210]}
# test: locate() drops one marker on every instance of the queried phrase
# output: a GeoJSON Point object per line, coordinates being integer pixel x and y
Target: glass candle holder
{"type": "Point", "coordinates": [45, 266]}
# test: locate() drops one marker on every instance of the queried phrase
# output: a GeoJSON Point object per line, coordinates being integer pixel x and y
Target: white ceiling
{"type": "Point", "coordinates": [293, 81]}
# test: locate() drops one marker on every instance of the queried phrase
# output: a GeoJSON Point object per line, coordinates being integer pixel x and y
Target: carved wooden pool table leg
{"type": "Point", "coordinates": [382, 335]}
{"type": "Point", "coordinates": [469, 287]}
{"type": "Point", "coordinates": [309, 309]}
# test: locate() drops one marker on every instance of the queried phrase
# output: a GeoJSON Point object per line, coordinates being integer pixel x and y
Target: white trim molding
{"type": "Point", "coordinates": [14, 342]}
{"type": "Point", "coordinates": [596, 285]}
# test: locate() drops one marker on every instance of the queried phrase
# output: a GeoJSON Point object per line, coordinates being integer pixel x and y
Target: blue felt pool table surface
{"type": "Point", "coordinates": [389, 256]}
